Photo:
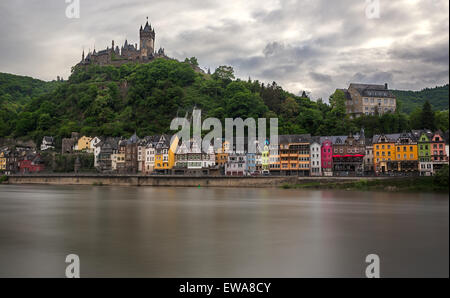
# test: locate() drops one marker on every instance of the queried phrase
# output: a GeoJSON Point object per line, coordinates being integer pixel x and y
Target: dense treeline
{"type": "Point", "coordinates": [144, 98]}
{"type": "Point", "coordinates": [65, 163]}
{"type": "Point", "coordinates": [410, 101]}
{"type": "Point", "coordinates": [15, 92]}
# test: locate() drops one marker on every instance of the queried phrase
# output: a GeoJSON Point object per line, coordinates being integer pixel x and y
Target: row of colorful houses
{"type": "Point", "coordinates": [20, 160]}
{"type": "Point", "coordinates": [418, 152]}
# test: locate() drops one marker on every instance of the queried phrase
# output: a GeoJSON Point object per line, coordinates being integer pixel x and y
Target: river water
{"type": "Point", "coordinates": [219, 232]}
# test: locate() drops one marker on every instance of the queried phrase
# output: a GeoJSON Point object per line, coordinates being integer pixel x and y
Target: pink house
{"type": "Point", "coordinates": [327, 157]}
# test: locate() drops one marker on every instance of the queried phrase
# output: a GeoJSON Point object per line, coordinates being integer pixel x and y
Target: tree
{"type": "Point", "coordinates": [427, 116]}
{"type": "Point", "coordinates": [442, 120]}
{"type": "Point", "coordinates": [193, 61]}
{"type": "Point", "coordinates": [289, 108]}
{"type": "Point", "coordinates": [337, 101]}
{"type": "Point", "coordinates": [25, 124]}
{"type": "Point", "coordinates": [224, 73]}
{"type": "Point", "coordinates": [44, 122]}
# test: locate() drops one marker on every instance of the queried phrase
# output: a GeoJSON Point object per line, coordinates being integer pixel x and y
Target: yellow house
{"type": "Point", "coordinates": [117, 161]}
{"type": "Point", "coordinates": [383, 151]}
{"type": "Point", "coordinates": [83, 143]}
{"type": "Point", "coordinates": [406, 149]}
{"type": "Point", "coordinates": [396, 152]}
{"type": "Point", "coordinates": [2, 161]}
{"type": "Point", "coordinates": [165, 153]}
{"type": "Point", "coordinates": [222, 154]}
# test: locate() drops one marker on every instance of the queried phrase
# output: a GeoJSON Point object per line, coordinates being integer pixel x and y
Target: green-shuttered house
{"type": "Point", "coordinates": [425, 165]}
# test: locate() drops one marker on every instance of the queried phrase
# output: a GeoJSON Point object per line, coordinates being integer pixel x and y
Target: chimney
{"type": "Point", "coordinates": [386, 86]}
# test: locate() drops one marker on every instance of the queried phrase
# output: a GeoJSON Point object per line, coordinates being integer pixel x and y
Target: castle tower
{"type": "Point", "coordinates": [147, 39]}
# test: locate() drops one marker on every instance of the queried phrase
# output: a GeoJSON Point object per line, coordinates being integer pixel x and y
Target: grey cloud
{"type": "Point", "coordinates": [375, 77]}
{"type": "Point", "coordinates": [435, 54]}
{"type": "Point", "coordinates": [321, 77]}
{"type": "Point", "coordinates": [312, 45]}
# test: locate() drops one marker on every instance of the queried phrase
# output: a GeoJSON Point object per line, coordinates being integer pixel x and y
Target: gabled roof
{"type": "Point", "coordinates": [406, 135]}
{"type": "Point", "coordinates": [164, 141]}
{"type": "Point", "coordinates": [48, 139]}
{"type": "Point", "coordinates": [315, 140]}
{"type": "Point", "coordinates": [333, 139]}
{"type": "Point", "coordinates": [391, 138]}
{"type": "Point", "coordinates": [289, 139]}
{"type": "Point", "coordinates": [133, 139]}
{"type": "Point", "coordinates": [372, 90]}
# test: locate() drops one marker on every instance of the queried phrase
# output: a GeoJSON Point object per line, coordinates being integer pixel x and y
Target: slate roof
{"type": "Point", "coordinates": [418, 132]}
{"type": "Point", "coordinates": [133, 139]}
{"type": "Point", "coordinates": [372, 90]}
{"type": "Point", "coordinates": [332, 139]}
{"type": "Point", "coordinates": [347, 94]}
{"type": "Point", "coordinates": [286, 139]}
{"type": "Point", "coordinates": [48, 139]}
{"type": "Point", "coordinates": [393, 137]}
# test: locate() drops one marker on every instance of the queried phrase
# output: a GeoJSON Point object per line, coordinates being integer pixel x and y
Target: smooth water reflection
{"type": "Point", "coordinates": [214, 232]}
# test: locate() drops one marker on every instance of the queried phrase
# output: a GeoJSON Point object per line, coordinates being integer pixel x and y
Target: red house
{"type": "Point", "coordinates": [327, 157]}
{"type": "Point", "coordinates": [31, 163]}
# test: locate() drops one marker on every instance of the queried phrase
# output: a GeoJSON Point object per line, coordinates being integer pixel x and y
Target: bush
{"type": "Point", "coordinates": [441, 177]}
{"type": "Point", "coordinates": [3, 178]}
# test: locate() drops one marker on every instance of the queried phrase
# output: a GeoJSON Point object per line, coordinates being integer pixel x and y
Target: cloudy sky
{"type": "Point", "coordinates": [312, 45]}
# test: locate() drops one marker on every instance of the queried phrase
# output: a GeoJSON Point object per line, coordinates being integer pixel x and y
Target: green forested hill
{"type": "Point", "coordinates": [19, 90]}
{"type": "Point", "coordinates": [15, 93]}
{"type": "Point", "coordinates": [411, 100]}
{"type": "Point", "coordinates": [144, 98]}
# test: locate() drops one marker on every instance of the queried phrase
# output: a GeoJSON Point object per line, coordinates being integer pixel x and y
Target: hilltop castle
{"type": "Point", "coordinates": [128, 52]}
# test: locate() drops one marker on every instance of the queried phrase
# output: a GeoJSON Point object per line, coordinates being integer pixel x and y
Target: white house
{"type": "Point", "coordinates": [97, 150]}
{"type": "Point", "coordinates": [149, 158]}
{"type": "Point", "coordinates": [236, 164]}
{"type": "Point", "coordinates": [315, 158]}
{"type": "Point", "coordinates": [93, 143]}
{"type": "Point", "coordinates": [47, 143]}
{"type": "Point", "coordinates": [210, 158]}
